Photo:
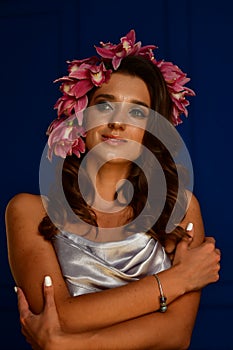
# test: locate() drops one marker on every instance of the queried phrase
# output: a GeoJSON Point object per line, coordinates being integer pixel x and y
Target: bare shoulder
{"type": "Point", "coordinates": [24, 210]}
{"type": "Point", "coordinates": [25, 202]}
{"type": "Point", "coordinates": [24, 198]}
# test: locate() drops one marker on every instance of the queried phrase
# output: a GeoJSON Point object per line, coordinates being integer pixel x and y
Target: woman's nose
{"type": "Point", "coordinates": [116, 125]}
{"type": "Point", "coordinates": [118, 118]}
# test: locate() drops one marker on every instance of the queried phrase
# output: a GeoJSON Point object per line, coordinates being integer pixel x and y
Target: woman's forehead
{"type": "Point", "coordinates": [124, 88]}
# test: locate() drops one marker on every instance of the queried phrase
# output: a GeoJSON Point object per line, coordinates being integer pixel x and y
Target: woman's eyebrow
{"type": "Point", "coordinates": [109, 97]}
{"type": "Point", "coordinates": [113, 98]}
{"type": "Point", "coordinates": [138, 102]}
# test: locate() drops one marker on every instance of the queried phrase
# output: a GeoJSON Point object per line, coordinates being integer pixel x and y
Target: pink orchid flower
{"type": "Point", "coordinates": [54, 124]}
{"type": "Point", "coordinates": [176, 79]}
{"type": "Point", "coordinates": [75, 64]}
{"type": "Point", "coordinates": [126, 47]}
{"type": "Point", "coordinates": [95, 74]}
{"type": "Point", "coordinates": [116, 53]}
{"type": "Point", "coordinates": [99, 74]}
{"type": "Point", "coordinates": [66, 139]}
{"type": "Point", "coordinates": [82, 78]}
{"type": "Point", "coordinates": [67, 104]}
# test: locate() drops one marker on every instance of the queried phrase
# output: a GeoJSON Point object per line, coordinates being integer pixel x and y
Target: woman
{"type": "Point", "coordinates": [106, 256]}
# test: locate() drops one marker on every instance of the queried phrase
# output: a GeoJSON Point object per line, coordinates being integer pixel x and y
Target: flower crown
{"type": "Point", "coordinates": [66, 138]}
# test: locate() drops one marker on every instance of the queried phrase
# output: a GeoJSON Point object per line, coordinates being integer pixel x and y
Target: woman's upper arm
{"type": "Point", "coordinates": [30, 256]}
{"type": "Point", "coordinates": [194, 215]}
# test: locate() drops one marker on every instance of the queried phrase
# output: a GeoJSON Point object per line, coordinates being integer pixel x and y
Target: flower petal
{"type": "Point", "coordinates": [81, 88]}
{"type": "Point", "coordinates": [79, 107]}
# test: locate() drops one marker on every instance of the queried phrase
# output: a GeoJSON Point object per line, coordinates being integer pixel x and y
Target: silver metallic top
{"type": "Point", "coordinates": [90, 266]}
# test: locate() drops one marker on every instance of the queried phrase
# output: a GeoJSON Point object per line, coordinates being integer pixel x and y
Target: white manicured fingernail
{"type": "Point", "coordinates": [15, 289]}
{"type": "Point", "coordinates": [189, 227]}
{"type": "Point", "coordinates": [47, 281]}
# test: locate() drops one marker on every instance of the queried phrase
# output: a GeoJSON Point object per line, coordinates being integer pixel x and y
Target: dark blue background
{"type": "Point", "coordinates": [37, 37]}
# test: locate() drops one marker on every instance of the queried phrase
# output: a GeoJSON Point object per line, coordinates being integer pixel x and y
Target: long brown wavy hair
{"type": "Point", "coordinates": [162, 104]}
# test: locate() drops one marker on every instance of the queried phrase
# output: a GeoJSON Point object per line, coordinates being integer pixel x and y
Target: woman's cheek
{"type": "Point", "coordinates": [90, 139]}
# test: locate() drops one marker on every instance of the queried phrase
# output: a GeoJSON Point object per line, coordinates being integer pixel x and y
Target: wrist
{"type": "Point", "coordinates": [162, 297]}
{"type": "Point", "coordinates": [71, 341]}
{"type": "Point", "coordinates": [180, 278]}
{"type": "Point", "coordinates": [56, 342]}
{"type": "Point", "coordinates": [173, 283]}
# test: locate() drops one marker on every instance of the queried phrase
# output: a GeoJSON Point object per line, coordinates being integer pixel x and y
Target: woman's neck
{"type": "Point", "coordinates": [107, 179]}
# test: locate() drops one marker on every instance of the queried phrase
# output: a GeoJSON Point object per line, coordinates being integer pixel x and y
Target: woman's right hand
{"type": "Point", "coordinates": [198, 266]}
{"type": "Point", "coordinates": [42, 331]}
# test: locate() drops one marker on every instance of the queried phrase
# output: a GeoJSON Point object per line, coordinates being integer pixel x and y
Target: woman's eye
{"type": "Point", "coordinates": [138, 113]}
{"type": "Point", "coordinates": [103, 106]}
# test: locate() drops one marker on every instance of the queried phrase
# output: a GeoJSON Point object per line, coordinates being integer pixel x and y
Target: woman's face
{"type": "Point", "coordinates": [117, 117]}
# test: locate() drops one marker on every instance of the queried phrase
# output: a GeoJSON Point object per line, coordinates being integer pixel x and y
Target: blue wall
{"type": "Point", "coordinates": [37, 37]}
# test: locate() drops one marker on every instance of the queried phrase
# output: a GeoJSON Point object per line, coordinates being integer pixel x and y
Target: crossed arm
{"type": "Point", "coordinates": [123, 317]}
{"type": "Point", "coordinates": [43, 331]}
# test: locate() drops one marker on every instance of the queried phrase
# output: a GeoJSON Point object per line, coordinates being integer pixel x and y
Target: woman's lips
{"type": "Point", "coordinates": [113, 140]}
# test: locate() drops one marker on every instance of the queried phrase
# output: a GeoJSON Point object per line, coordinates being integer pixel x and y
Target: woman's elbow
{"type": "Point", "coordinates": [184, 344]}
{"type": "Point", "coordinates": [73, 323]}
{"type": "Point", "coordinates": [181, 341]}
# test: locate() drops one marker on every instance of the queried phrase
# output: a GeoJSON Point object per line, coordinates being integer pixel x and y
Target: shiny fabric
{"type": "Point", "coordinates": [89, 266]}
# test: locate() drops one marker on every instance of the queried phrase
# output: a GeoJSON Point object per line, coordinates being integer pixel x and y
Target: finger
{"type": "Point", "coordinates": [189, 230]}
{"type": "Point", "coordinates": [189, 227]}
{"type": "Point", "coordinates": [218, 251]}
{"type": "Point", "coordinates": [49, 293]}
{"type": "Point", "coordinates": [182, 246]}
{"type": "Point", "coordinates": [23, 307]}
{"type": "Point", "coordinates": [210, 240]}
{"type": "Point", "coordinates": [170, 245]}
{"type": "Point", "coordinates": [187, 239]}
{"type": "Point", "coordinates": [22, 303]}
